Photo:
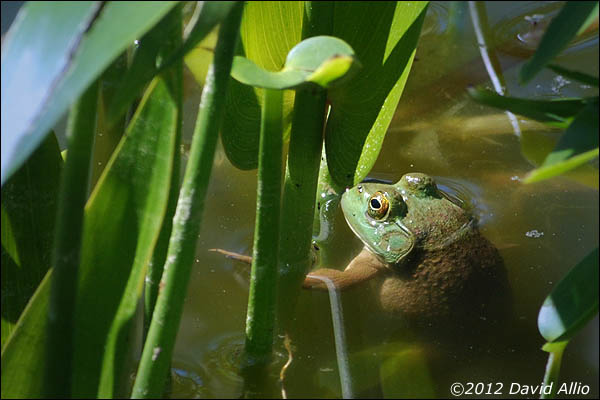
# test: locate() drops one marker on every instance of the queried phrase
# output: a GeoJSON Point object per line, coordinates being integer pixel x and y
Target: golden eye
{"type": "Point", "coordinates": [378, 206]}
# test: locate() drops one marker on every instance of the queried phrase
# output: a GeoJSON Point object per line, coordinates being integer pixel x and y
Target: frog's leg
{"type": "Point", "coordinates": [363, 267]}
{"type": "Point", "coordinates": [235, 256]}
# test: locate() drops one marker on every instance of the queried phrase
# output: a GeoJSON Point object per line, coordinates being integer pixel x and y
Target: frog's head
{"type": "Point", "coordinates": [391, 220]}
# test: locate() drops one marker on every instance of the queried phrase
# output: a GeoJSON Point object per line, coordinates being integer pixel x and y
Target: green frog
{"type": "Point", "coordinates": [431, 264]}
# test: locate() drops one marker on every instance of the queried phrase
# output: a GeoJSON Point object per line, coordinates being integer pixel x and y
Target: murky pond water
{"type": "Point", "coordinates": [541, 230]}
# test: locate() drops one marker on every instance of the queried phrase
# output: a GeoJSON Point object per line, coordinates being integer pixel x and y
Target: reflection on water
{"type": "Point", "coordinates": [541, 231]}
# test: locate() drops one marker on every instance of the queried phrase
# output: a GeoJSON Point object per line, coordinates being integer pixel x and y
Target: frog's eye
{"type": "Point", "coordinates": [379, 206]}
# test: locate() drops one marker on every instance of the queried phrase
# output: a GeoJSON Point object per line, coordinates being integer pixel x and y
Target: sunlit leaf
{"type": "Point", "coordinates": [147, 61]}
{"type": "Point", "coordinates": [29, 200]}
{"type": "Point", "coordinates": [76, 46]}
{"type": "Point", "coordinates": [572, 303]}
{"type": "Point", "coordinates": [23, 357]}
{"type": "Point", "coordinates": [49, 32]}
{"type": "Point", "coordinates": [269, 30]}
{"type": "Point", "coordinates": [321, 60]}
{"type": "Point", "coordinates": [577, 146]}
{"type": "Point", "coordinates": [563, 28]}
{"type": "Point", "coordinates": [384, 37]}
{"type": "Point", "coordinates": [122, 221]}
{"type": "Point", "coordinates": [116, 250]}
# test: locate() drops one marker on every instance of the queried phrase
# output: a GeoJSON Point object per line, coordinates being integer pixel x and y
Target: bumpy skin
{"type": "Point", "coordinates": [432, 264]}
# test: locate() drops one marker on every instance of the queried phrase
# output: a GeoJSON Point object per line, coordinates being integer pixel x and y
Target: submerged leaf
{"type": "Point", "coordinates": [557, 112]}
{"type": "Point", "coordinates": [576, 75]}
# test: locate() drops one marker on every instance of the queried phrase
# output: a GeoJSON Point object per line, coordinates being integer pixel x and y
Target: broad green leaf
{"type": "Point", "coordinates": [29, 200]}
{"type": "Point", "coordinates": [384, 36]}
{"type": "Point", "coordinates": [563, 28]}
{"type": "Point", "coordinates": [147, 59]}
{"type": "Point", "coordinates": [321, 60]}
{"type": "Point", "coordinates": [107, 137]}
{"type": "Point", "coordinates": [572, 303]}
{"type": "Point", "coordinates": [123, 220]}
{"type": "Point", "coordinates": [23, 357]}
{"type": "Point", "coordinates": [269, 31]}
{"type": "Point", "coordinates": [577, 146]}
{"type": "Point", "coordinates": [557, 112]}
{"type": "Point", "coordinates": [36, 52]}
{"type": "Point", "coordinates": [578, 76]}
{"type": "Point", "coordinates": [79, 47]}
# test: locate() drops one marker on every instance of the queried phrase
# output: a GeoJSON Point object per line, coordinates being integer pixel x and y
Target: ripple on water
{"type": "Point", "coordinates": [219, 372]}
{"type": "Point", "coordinates": [467, 195]}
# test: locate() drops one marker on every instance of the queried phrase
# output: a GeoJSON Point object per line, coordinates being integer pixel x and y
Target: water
{"type": "Point", "coordinates": [541, 230]}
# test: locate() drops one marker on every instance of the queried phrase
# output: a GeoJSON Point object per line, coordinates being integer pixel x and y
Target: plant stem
{"type": "Point", "coordinates": [299, 196]}
{"type": "Point", "coordinates": [173, 26]}
{"type": "Point", "coordinates": [260, 319]}
{"type": "Point", "coordinates": [67, 244]}
{"type": "Point", "coordinates": [159, 344]}
{"type": "Point", "coordinates": [553, 366]}
{"type": "Point", "coordinates": [302, 171]}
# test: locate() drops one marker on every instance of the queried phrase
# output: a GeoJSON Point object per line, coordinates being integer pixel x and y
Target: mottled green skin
{"type": "Point", "coordinates": [436, 265]}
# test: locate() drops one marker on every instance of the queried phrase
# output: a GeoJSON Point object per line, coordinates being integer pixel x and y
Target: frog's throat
{"type": "Point", "coordinates": [388, 260]}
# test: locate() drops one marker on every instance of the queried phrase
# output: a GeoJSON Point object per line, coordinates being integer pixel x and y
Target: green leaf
{"type": "Point", "coordinates": [36, 52]}
{"type": "Point", "coordinates": [23, 357]}
{"type": "Point", "coordinates": [269, 31]}
{"type": "Point", "coordinates": [122, 220]}
{"type": "Point", "coordinates": [572, 303]}
{"type": "Point", "coordinates": [29, 200]}
{"type": "Point", "coordinates": [75, 46]}
{"type": "Point", "coordinates": [116, 250]}
{"type": "Point", "coordinates": [384, 36]}
{"type": "Point", "coordinates": [321, 60]}
{"type": "Point", "coordinates": [578, 76]}
{"type": "Point", "coordinates": [563, 28]}
{"type": "Point", "coordinates": [550, 171]}
{"type": "Point", "coordinates": [577, 146]}
{"type": "Point", "coordinates": [557, 112]}
{"type": "Point", "coordinates": [147, 58]}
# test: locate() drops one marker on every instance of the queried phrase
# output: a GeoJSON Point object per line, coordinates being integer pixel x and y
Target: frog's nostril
{"type": "Point", "coordinates": [347, 189]}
